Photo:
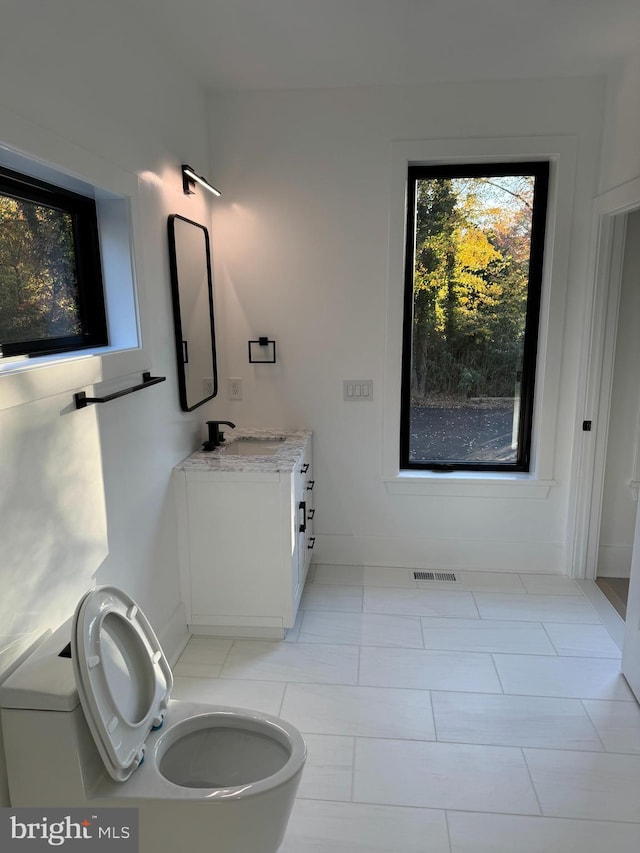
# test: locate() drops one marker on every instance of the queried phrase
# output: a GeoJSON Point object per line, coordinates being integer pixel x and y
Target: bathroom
{"type": "Point", "coordinates": [301, 247]}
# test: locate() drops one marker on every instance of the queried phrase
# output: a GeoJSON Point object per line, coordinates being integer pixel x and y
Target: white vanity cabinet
{"type": "Point", "coordinates": [245, 535]}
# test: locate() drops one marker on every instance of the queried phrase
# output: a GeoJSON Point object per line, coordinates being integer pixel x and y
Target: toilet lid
{"type": "Point", "coordinates": [123, 678]}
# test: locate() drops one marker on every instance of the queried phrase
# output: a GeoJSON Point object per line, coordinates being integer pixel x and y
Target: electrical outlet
{"type": "Point", "coordinates": [207, 386]}
{"type": "Point", "coordinates": [235, 389]}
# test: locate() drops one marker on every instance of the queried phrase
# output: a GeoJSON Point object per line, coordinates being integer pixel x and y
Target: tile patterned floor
{"type": "Point", "coordinates": [487, 718]}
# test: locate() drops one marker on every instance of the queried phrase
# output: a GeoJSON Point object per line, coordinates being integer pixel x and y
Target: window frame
{"type": "Point", "coordinates": [541, 170]}
{"type": "Point", "coordinates": [90, 289]}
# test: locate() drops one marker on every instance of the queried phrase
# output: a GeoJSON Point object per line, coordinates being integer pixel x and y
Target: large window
{"type": "Point", "coordinates": [51, 294]}
{"type": "Point", "coordinates": [475, 236]}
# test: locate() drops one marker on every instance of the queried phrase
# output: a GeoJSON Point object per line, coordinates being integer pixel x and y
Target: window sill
{"type": "Point", "coordinates": [469, 485]}
{"type": "Point", "coordinates": [26, 380]}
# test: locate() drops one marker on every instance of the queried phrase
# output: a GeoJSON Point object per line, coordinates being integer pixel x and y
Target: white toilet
{"type": "Point", "coordinates": [214, 779]}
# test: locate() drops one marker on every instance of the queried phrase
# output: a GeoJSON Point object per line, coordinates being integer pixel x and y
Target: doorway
{"type": "Point", "coordinates": [620, 477]}
{"type": "Point", "coordinates": [612, 210]}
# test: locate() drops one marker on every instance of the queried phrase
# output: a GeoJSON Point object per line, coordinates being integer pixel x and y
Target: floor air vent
{"type": "Point", "coordinates": [435, 576]}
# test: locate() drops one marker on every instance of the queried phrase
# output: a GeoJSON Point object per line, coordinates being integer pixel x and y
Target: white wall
{"type": "Point", "coordinates": [620, 160]}
{"type": "Point", "coordinates": [85, 494]}
{"type": "Point", "coordinates": [302, 247]}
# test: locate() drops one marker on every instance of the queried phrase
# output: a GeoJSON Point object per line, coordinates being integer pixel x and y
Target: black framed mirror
{"type": "Point", "coordinates": [193, 314]}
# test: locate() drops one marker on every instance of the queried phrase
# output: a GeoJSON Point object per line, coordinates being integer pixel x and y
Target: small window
{"type": "Point", "coordinates": [51, 293]}
{"type": "Point", "coordinates": [475, 237]}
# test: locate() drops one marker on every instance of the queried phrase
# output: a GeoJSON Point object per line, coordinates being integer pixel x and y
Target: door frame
{"type": "Point", "coordinates": [596, 380]}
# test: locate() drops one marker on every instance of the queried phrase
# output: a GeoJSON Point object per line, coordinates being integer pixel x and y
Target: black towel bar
{"type": "Point", "coordinates": [147, 379]}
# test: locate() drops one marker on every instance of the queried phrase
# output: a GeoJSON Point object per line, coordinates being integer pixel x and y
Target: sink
{"type": "Point", "coordinates": [252, 447]}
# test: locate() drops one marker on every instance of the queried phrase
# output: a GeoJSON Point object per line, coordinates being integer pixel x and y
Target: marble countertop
{"type": "Point", "coordinates": [291, 444]}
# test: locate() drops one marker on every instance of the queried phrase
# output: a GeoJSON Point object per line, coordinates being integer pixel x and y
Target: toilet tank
{"type": "Point", "coordinates": [50, 753]}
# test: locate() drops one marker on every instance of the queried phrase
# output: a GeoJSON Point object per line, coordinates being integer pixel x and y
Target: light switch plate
{"type": "Point", "coordinates": [357, 390]}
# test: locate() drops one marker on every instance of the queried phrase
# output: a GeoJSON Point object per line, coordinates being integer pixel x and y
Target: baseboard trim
{"type": "Point", "coordinates": [237, 632]}
{"type": "Point", "coordinates": [445, 554]}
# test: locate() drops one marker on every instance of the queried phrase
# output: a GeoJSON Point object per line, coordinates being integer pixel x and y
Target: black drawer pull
{"type": "Point", "coordinates": [310, 514]}
{"type": "Point", "coordinates": [312, 543]}
{"type": "Point", "coordinates": [310, 485]}
{"type": "Point", "coordinates": [304, 468]}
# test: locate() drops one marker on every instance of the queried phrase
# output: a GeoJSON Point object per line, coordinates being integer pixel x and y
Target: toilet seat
{"type": "Point", "coordinates": [123, 677]}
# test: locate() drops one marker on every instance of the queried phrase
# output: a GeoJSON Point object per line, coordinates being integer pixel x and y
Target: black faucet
{"type": "Point", "coordinates": [216, 437]}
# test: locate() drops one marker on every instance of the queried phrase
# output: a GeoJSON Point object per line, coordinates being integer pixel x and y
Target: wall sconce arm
{"type": "Point", "coordinates": [190, 178]}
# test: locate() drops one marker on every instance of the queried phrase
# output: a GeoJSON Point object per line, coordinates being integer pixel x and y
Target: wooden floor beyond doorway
{"type": "Point", "coordinates": [617, 591]}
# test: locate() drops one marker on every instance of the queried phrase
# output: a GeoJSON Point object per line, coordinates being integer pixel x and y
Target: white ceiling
{"type": "Point", "coordinates": [273, 44]}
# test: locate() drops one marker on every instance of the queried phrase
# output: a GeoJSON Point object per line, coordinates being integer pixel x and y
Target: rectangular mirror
{"type": "Point", "coordinates": [193, 315]}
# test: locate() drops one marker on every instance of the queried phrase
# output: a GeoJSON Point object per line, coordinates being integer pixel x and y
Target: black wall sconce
{"type": "Point", "coordinates": [191, 178]}
{"type": "Point", "coordinates": [262, 351]}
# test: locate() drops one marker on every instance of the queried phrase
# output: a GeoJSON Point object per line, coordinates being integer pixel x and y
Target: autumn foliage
{"type": "Point", "coordinates": [470, 283]}
{"type": "Point", "coordinates": [38, 291]}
